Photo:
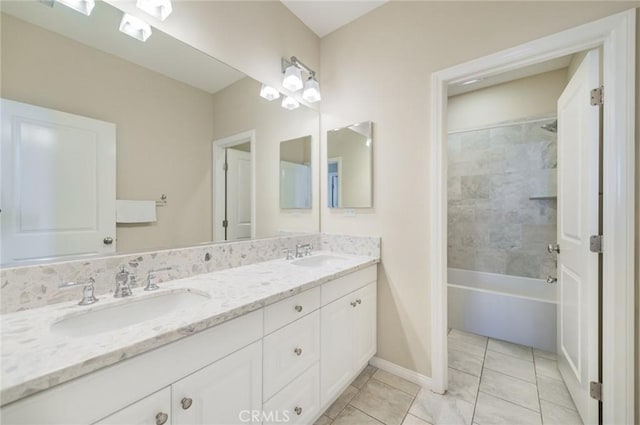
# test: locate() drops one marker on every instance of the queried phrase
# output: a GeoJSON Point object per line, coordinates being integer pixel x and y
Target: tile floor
{"type": "Point", "coordinates": [490, 382]}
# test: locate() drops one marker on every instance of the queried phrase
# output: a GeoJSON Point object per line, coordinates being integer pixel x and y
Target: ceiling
{"type": "Point", "coordinates": [326, 16]}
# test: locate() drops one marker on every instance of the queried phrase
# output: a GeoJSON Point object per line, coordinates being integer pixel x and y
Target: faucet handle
{"type": "Point", "coordinates": [151, 279]}
{"type": "Point", "coordinates": [87, 293]}
{"type": "Point", "coordinates": [287, 251]}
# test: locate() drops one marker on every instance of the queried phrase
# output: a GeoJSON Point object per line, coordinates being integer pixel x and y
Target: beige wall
{"type": "Point", "coordinates": [251, 36]}
{"type": "Point", "coordinates": [272, 124]}
{"type": "Point", "coordinates": [164, 127]}
{"type": "Point", "coordinates": [526, 97]}
{"type": "Point", "coordinates": [378, 68]}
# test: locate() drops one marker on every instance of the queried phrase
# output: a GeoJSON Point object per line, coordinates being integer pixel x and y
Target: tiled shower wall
{"type": "Point", "coordinates": [501, 199]}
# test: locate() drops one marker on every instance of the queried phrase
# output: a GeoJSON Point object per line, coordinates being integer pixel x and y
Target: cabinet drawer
{"type": "Point", "coordinates": [150, 410]}
{"type": "Point", "coordinates": [289, 351]}
{"type": "Point", "coordinates": [286, 311]}
{"type": "Point", "coordinates": [340, 287]}
{"type": "Point", "coordinates": [298, 402]}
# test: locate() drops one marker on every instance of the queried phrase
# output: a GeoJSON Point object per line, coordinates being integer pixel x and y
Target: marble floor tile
{"type": "Point", "coordinates": [323, 420]}
{"type": "Point", "coordinates": [552, 414]}
{"type": "Point", "coordinates": [463, 386]}
{"type": "Point", "coordinates": [440, 409]}
{"type": "Point", "coordinates": [515, 350]}
{"type": "Point", "coordinates": [334, 410]}
{"type": "Point", "coordinates": [397, 382]}
{"type": "Point", "coordinates": [352, 416]}
{"type": "Point", "coordinates": [460, 345]}
{"type": "Point", "coordinates": [555, 391]}
{"type": "Point", "coordinates": [511, 366]}
{"type": "Point", "coordinates": [548, 368]}
{"type": "Point", "coordinates": [494, 411]}
{"type": "Point", "coordinates": [383, 402]}
{"type": "Point", "coordinates": [364, 376]}
{"type": "Point", "coordinates": [465, 362]}
{"type": "Point", "coordinates": [510, 389]}
{"type": "Point", "coordinates": [413, 420]}
{"type": "Point", "coordinates": [469, 338]}
{"type": "Point", "coordinates": [546, 354]}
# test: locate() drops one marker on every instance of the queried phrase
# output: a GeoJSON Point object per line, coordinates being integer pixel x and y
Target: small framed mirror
{"type": "Point", "coordinates": [295, 173]}
{"type": "Point", "coordinates": [350, 166]}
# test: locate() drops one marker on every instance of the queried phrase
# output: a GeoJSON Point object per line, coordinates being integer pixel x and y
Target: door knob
{"type": "Point", "coordinates": [108, 240]}
{"type": "Point", "coordinates": [298, 410]}
{"type": "Point", "coordinates": [298, 351]}
{"type": "Point", "coordinates": [161, 418]}
{"type": "Point", "coordinates": [298, 308]}
{"type": "Point", "coordinates": [551, 248]}
{"type": "Point", "coordinates": [186, 403]}
{"type": "Point", "coordinates": [551, 279]}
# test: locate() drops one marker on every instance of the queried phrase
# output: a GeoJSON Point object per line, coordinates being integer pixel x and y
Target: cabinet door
{"type": "Point", "coordinates": [364, 323]}
{"type": "Point", "coordinates": [336, 322]}
{"type": "Point", "coordinates": [225, 392]}
{"type": "Point", "coordinates": [154, 409]}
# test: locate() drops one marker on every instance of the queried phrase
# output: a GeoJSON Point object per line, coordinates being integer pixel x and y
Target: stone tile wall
{"type": "Point", "coordinates": [501, 199]}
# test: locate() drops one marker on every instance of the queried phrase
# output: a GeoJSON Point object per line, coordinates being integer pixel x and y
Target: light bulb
{"type": "Point", "coordinates": [311, 91]}
{"type": "Point", "coordinates": [269, 92]}
{"type": "Point", "coordinates": [83, 6]}
{"type": "Point", "coordinates": [135, 27]}
{"type": "Point", "coordinates": [290, 103]}
{"type": "Point", "coordinates": [159, 9]}
{"type": "Point", "coordinates": [292, 80]}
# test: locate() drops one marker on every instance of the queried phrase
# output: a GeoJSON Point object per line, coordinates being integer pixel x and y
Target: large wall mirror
{"type": "Point", "coordinates": [350, 166]}
{"type": "Point", "coordinates": [295, 173]}
{"type": "Point", "coordinates": [118, 145]}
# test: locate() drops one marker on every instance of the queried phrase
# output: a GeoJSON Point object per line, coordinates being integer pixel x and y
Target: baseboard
{"type": "Point", "coordinates": [402, 372]}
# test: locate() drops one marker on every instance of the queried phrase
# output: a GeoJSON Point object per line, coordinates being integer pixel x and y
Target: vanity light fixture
{"type": "Point", "coordinates": [83, 6]}
{"type": "Point", "coordinates": [159, 9]}
{"type": "Point", "coordinates": [135, 27]}
{"type": "Point", "coordinates": [292, 79]}
{"type": "Point", "coordinates": [290, 103]}
{"type": "Point", "coordinates": [269, 93]}
{"type": "Point", "coordinates": [311, 92]}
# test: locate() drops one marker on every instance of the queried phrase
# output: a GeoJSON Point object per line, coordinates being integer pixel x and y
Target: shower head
{"type": "Point", "coordinates": [552, 127]}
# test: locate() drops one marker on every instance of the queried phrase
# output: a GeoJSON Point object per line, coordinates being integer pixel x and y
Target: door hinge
{"type": "Point", "coordinates": [595, 244]}
{"type": "Point", "coordinates": [595, 390]}
{"type": "Point", "coordinates": [597, 96]}
{"type": "Point", "coordinates": [225, 166]}
{"type": "Point", "coordinates": [225, 223]}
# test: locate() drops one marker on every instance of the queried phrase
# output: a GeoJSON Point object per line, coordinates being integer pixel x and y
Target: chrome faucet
{"type": "Point", "coordinates": [123, 285]}
{"type": "Point", "coordinates": [303, 249]}
{"type": "Point", "coordinates": [151, 279]}
{"type": "Point", "coordinates": [88, 289]}
{"type": "Point", "coordinates": [287, 252]}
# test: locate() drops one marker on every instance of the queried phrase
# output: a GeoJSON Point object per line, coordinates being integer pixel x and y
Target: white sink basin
{"type": "Point", "coordinates": [319, 261]}
{"type": "Point", "coordinates": [127, 312]}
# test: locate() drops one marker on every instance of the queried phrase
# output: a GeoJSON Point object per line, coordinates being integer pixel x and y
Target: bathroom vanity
{"type": "Point", "coordinates": [269, 342]}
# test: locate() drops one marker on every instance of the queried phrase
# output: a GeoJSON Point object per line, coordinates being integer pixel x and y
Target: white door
{"type": "Point", "coordinates": [295, 185]}
{"type": "Point", "coordinates": [238, 195]}
{"type": "Point", "coordinates": [152, 410]}
{"type": "Point", "coordinates": [364, 335]}
{"type": "Point", "coordinates": [223, 393]}
{"type": "Point", "coordinates": [578, 186]}
{"type": "Point", "coordinates": [58, 184]}
{"type": "Point", "coordinates": [336, 347]}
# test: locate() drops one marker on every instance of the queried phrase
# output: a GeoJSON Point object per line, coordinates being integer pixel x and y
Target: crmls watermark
{"type": "Point", "coordinates": [259, 416]}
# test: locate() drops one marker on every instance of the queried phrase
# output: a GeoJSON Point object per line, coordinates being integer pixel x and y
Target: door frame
{"type": "Point", "coordinates": [336, 160]}
{"type": "Point", "coordinates": [616, 35]}
{"type": "Point", "coordinates": [217, 184]}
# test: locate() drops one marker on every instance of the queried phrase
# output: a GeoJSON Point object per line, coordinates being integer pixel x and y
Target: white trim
{"type": "Point", "coordinates": [402, 372]}
{"type": "Point", "coordinates": [616, 35]}
{"type": "Point", "coordinates": [217, 184]}
{"type": "Point", "coordinates": [540, 118]}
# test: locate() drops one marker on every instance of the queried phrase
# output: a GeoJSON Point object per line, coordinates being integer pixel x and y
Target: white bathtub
{"type": "Point", "coordinates": [511, 308]}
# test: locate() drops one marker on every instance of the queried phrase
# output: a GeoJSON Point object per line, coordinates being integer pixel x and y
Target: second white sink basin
{"type": "Point", "coordinates": [127, 312]}
{"type": "Point", "coordinates": [319, 261]}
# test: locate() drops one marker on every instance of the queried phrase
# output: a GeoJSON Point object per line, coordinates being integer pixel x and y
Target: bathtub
{"type": "Point", "coordinates": [511, 308]}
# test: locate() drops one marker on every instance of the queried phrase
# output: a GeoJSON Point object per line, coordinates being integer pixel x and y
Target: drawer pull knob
{"type": "Point", "coordinates": [186, 403]}
{"type": "Point", "coordinates": [298, 410]}
{"type": "Point", "coordinates": [353, 303]}
{"type": "Point", "coordinates": [298, 308]}
{"type": "Point", "coordinates": [298, 351]}
{"type": "Point", "coordinates": [161, 418]}
{"type": "Point", "coordinates": [359, 301]}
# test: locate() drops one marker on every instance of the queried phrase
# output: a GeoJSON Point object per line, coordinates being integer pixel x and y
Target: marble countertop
{"type": "Point", "coordinates": [33, 358]}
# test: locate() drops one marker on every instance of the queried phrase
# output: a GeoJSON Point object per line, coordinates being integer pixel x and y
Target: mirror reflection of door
{"type": "Point", "coordinates": [333, 182]}
{"type": "Point", "coordinates": [238, 192]}
{"type": "Point", "coordinates": [295, 173]}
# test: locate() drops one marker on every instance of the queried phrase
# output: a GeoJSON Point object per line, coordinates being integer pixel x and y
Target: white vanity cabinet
{"type": "Point", "coordinates": [285, 362]}
{"type": "Point", "coordinates": [348, 323]}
